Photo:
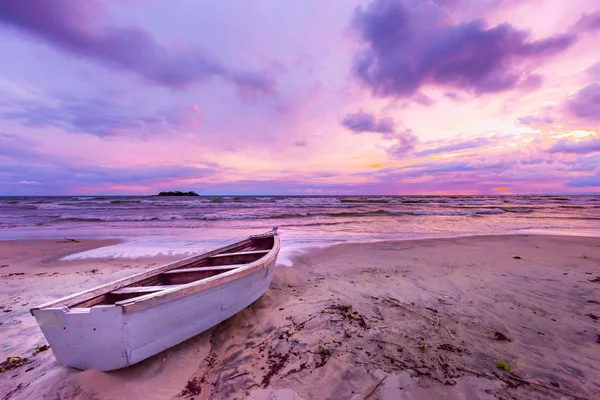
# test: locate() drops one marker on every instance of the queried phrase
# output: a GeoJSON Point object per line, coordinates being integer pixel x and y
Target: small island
{"type": "Point", "coordinates": [178, 193]}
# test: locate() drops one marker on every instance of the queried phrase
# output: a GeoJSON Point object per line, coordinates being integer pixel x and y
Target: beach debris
{"type": "Point", "coordinates": [276, 363]}
{"type": "Point", "coordinates": [555, 384]}
{"type": "Point", "coordinates": [451, 348]}
{"type": "Point", "coordinates": [596, 279]}
{"type": "Point", "coordinates": [376, 386]}
{"type": "Point", "coordinates": [449, 332]}
{"type": "Point", "coordinates": [193, 387]}
{"type": "Point", "coordinates": [422, 346]}
{"type": "Point", "coordinates": [397, 303]}
{"type": "Point", "coordinates": [506, 378]}
{"type": "Point", "coordinates": [4, 265]}
{"type": "Point", "coordinates": [500, 336]}
{"type": "Point", "coordinates": [325, 355]}
{"type": "Point", "coordinates": [66, 240]}
{"type": "Point", "coordinates": [592, 316]}
{"type": "Point", "coordinates": [521, 380]}
{"type": "Point", "coordinates": [517, 258]}
{"type": "Point", "coordinates": [39, 349]}
{"type": "Point", "coordinates": [240, 374]}
{"type": "Point", "coordinates": [12, 363]}
{"type": "Point", "coordinates": [501, 365]}
{"type": "Point", "coordinates": [385, 341]}
{"type": "Point", "coordinates": [593, 301]}
{"type": "Point", "coordinates": [346, 311]}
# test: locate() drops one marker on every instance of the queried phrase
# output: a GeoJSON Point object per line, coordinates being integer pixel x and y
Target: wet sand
{"type": "Point", "coordinates": [350, 321]}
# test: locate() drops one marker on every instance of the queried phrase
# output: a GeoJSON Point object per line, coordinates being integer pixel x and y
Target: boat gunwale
{"type": "Point", "coordinates": [76, 298]}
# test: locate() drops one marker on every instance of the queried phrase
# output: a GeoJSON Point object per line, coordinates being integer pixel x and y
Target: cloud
{"type": "Point", "coordinates": [585, 104]}
{"type": "Point", "coordinates": [413, 43]}
{"type": "Point", "coordinates": [360, 122]}
{"type": "Point", "coordinates": [576, 147]}
{"type": "Point", "coordinates": [73, 27]}
{"type": "Point", "coordinates": [463, 145]}
{"type": "Point", "coordinates": [585, 181]}
{"type": "Point", "coordinates": [423, 100]}
{"type": "Point", "coordinates": [594, 71]}
{"type": "Point", "coordinates": [433, 168]}
{"type": "Point", "coordinates": [405, 143]}
{"type": "Point", "coordinates": [532, 119]}
{"type": "Point", "coordinates": [537, 161]}
{"type": "Point", "coordinates": [100, 116]}
{"type": "Point", "coordinates": [54, 178]}
{"type": "Point", "coordinates": [589, 22]}
{"type": "Point", "coordinates": [585, 163]}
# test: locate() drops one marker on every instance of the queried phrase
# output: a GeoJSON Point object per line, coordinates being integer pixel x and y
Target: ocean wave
{"type": "Point", "coordinates": [127, 201]}
{"type": "Point", "coordinates": [366, 201]}
{"type": "Point", "coordinates": [517, 210]}
{"type": "Point", "coordinates": [120, 218]}
{"type": "Point", "coordinates": [233, 216]}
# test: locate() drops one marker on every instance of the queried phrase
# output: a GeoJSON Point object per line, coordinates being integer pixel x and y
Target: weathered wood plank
{"type": "Point", "coordinates": [240, 253]}
{"type": "Point", "coordinates": [201, 269]}
{"type": "Point", "coordinates": [143, 289]}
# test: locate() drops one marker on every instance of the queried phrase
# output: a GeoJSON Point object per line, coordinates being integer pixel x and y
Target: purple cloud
{"type": "Point", "coordinates": [537, 161]}
{"type": "Point", "coordinates": [467, 144]}
{"type": "Point", "coordinates": [405, 143]}
{"type": "Point", "coordinates": [594, 71]}
{"type": "Point", "coordinates": [71, 27]}
{"type": "Point", "coordinates": [585, 181]}
{"type": "Point", "coordinates": [579, 147]}
{"type": "Point", "coordinates": [410, 44]}
{"type": "Point", "coordinates": [53, 174]}
{"type": "Point", "coordinates": [360, 122]}
{"type": "Point", "coordinates": [98, 116]}
{"type": "Point", "coordinates": [585, 104]}
{"type": "Point", "coordinates": [532, 119]}
{"type": "Point", "coordinates": [433, 168]}
{"type": "Point", "coordinates": [589, 22]}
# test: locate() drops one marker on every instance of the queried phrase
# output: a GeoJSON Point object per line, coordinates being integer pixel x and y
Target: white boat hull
{"type": "Point", "coordinates": [112, 337]}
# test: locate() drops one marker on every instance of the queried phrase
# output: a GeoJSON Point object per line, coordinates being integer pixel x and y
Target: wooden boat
{"type": "Point", "coordinates": [126, 321]}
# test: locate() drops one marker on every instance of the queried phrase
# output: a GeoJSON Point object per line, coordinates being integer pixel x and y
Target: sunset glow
{"type": "Point", "coordinates": [271, 97]}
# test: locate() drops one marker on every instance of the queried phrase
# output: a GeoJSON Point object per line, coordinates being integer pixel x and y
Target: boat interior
{"type": "Point", "coordinates": [196, 269]}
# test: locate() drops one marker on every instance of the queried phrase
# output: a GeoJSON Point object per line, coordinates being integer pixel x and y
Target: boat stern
{"type": "Point", "coordinates": [85, 338]}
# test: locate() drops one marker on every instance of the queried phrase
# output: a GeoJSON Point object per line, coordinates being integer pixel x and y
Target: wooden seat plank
{"type": "Point", "coordinates": [202, 269]}
{"type": "Point", "coordinates": [143, 289]}
{"type": "Point", "coordinates": [241, 253]}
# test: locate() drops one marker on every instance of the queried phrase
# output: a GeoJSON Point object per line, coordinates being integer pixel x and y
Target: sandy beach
{"type": "Point", "coordinates": [423, 319]}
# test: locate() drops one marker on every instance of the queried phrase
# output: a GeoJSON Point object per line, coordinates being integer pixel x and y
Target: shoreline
{"type": "Point", "coordinates": [475, 285]}
{"type": "Point", "coordinates": [287, 256]}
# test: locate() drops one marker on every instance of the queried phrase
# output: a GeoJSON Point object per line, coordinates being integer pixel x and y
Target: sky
{"type": "Point", "coordinates": [299, 97]}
